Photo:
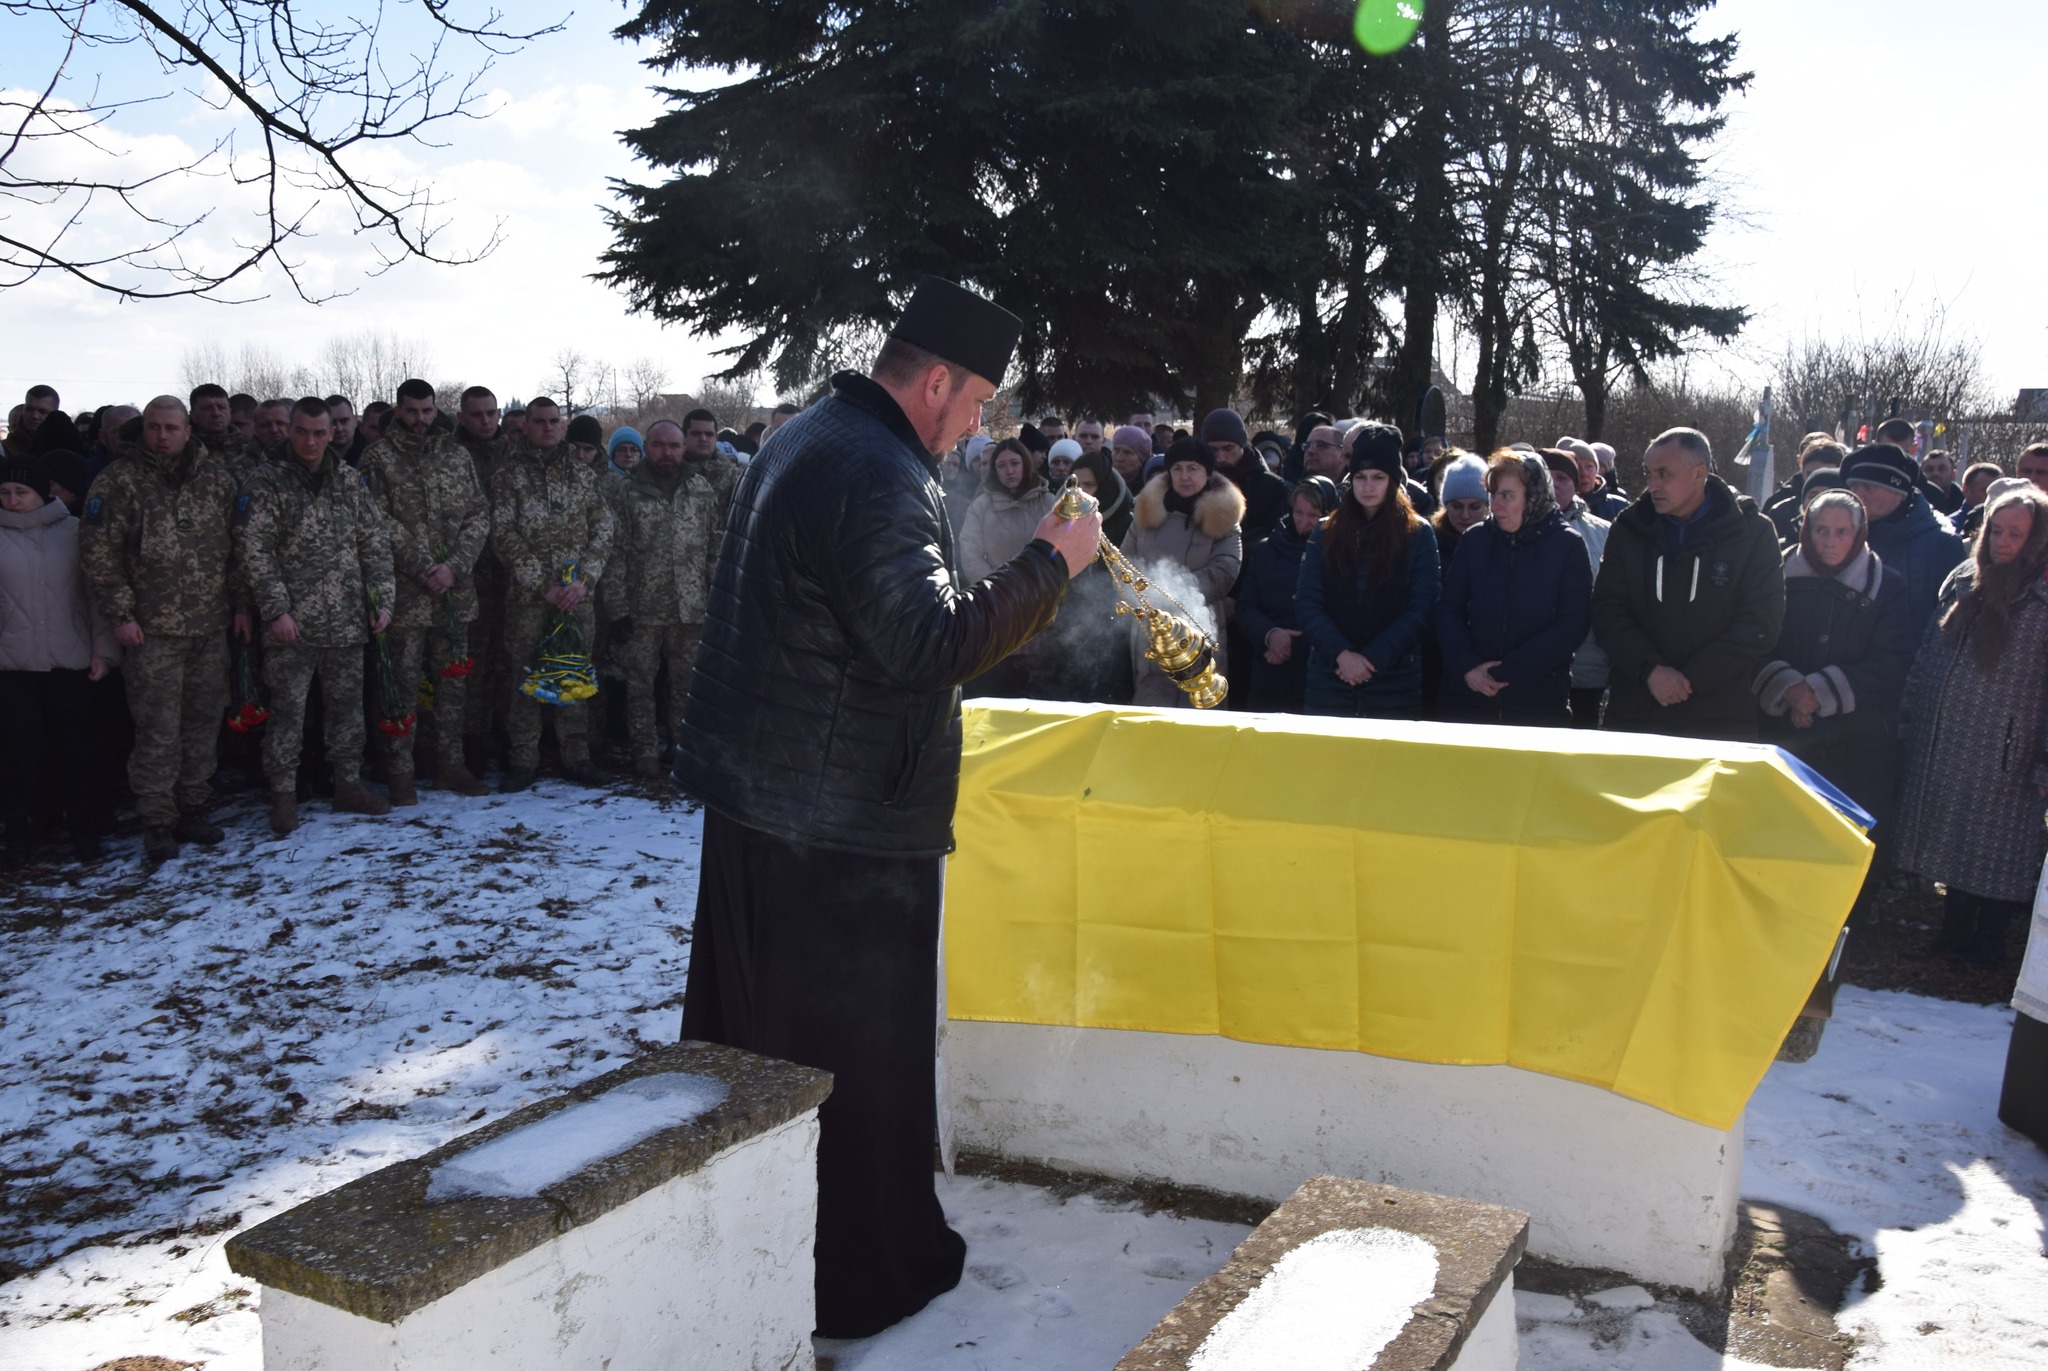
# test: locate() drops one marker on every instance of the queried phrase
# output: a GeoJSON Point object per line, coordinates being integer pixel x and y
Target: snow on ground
{"type": "Point", "coordinates": [193, 1051]}
{"type": "Point", "coordinates": [1891, 1135]}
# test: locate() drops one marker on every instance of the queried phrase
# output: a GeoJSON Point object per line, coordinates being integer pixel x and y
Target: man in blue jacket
{"type": "Point", "coordinates": [822, 734]}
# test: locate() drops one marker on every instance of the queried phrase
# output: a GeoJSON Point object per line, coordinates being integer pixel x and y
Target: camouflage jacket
{"type": "Point", "coordinates": [436, 511]}
{"type": "Point", "coordinates": [312, 545]}
{"type": "Point", "coordinates": [547, 510]}
{"type": "Point", "coordinates": [668, 540]}
{"type": "Point", "coordinates": [488, 459]}
{"type": "Point", "coordinates": [155, 538]}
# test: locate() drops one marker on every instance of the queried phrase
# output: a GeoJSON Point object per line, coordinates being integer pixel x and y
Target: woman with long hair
{"type": "Point", "coordinates": [1975, 706]}
{"type": "Point", "coordinates": [1369, 581]}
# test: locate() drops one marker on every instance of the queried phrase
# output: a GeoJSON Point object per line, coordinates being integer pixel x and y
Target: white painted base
{"type": "Point", "coordinates": [1606, 1181]}
{"type": "Point", "coordinates": [1493, 1344]}
{"type": "Point", "coordinates": [711, 1271]}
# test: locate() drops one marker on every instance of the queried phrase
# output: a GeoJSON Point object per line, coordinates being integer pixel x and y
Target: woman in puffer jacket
{"type": "Point", "coordinates": [1187, 520]}
{"type": "Point", "coordinates": [1516, 605]}
{"type": "Point", "coordinates": [1002, 518]}
{"type": "Point", "coordinates": [51, 644]}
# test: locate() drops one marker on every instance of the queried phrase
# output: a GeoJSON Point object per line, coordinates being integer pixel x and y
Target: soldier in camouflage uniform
{"type": "Point", "coordinates": [313, 547]}
{"type": "Point", "coordinates": [478, 433]}
{"type": "Point", "coordinates": [213, 425]}
{"type": "Point", "coordinates": [156, 545]}
{"type": "Point", "coordinates": [547, 512]}
{"type": "Point", "coordinates": [439, 521]}
{"type": "Point", "coordinates": [671, 519]}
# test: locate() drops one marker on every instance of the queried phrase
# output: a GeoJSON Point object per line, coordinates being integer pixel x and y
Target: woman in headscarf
{"type": "Point", "coordinates": [1368, 588]}
{"type": "Point", "coordinates": [1516, 605]}
{"type": "Point", "coordinates": [1975, 705]}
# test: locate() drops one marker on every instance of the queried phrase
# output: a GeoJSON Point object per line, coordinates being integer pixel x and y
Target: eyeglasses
{"type": "Point", "coordinates": [1323, 442]}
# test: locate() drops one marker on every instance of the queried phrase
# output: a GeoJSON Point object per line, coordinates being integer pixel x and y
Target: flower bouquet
{"type": "Point", "coordinates": [394, 720]}
{"type": "Point", "coordinates": [246, 713]}
{"type": "Point", "coordinates": [561, 673]}
{"type": "Point", "coordinates": [451, 633]}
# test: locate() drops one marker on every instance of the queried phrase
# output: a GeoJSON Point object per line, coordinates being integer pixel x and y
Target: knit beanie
{"type": "Point", "coordinates": [1065, 447]}
{"type": "Point", "coordinates": [66, 469]}
{"type": "Point", "coordinates": [1820, 479]}
{"type": "Point", "coordinates": [1377, 447]}
{"type": "Point", "coordinates": [584, 428]}
{"type": "Point", "coordinates": [1883, 464]}
{"type": "Point", "coordinates": [1225, 426]}
{"type": "Point", "coordinates": [1134, 438]}
{"type": "Point", "coordinates": [1191, 450]}
{"type": "Point", "coordinates": [1465, 479]}
{"type": "Point", "coordinates": [30, 472]}
{"type": "Point", "coordinates": [622, 434]}
{"type": "Point", "coordinates": [1561, 463]}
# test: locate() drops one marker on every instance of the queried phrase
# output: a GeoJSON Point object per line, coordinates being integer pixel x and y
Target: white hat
{"type": "Point", "coordinates": [1065, 447]}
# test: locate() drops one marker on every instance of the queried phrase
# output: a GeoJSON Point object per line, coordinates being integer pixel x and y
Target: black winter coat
{"type": "Point", "coordinates": [1850, 638]}
{"type": "Point", "coordinates": [1265, 601]}
{"type": "Point", "coordinates": [825, 707]}
{"type": "Point", "coordinates": [1918, 545]}
{"type": "Point", "coordinates": [1711, 608]}
{"type": "Point", "coordinates": [1524, 599]}
{"type": "Point", "coordinates": [1386, 624]}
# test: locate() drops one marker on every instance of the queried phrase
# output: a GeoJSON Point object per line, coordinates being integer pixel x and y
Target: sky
{"type": "Point", "coordinates": [1881, 166]}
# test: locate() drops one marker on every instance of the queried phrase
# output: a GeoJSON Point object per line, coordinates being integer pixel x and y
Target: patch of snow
{"type": "Point", "coordinates": [1542, 1308]}
{"type": "Point", "coordinates": [1331, 1304]}
{"type": "Point", "coordinates": [1622, 1297]}
{"type": "Point", "coordinates": [534, 1156]}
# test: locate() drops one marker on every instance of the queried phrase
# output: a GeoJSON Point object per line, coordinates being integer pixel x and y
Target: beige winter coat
{"type": "Point", "coordinates": [1207, 546]}
{"type": "Point", "coordinates": [45, 619]}
{"type": "Point", "coordinates": [998, 525]}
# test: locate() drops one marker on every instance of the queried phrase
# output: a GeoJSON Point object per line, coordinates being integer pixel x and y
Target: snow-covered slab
{"type": "Point", "coordinates": [1348, 1275]}
{"type": "Point", "coordinates": [658, 1216]}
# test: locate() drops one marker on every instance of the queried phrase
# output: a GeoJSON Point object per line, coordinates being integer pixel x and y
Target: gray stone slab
{"type": "Point", "coordinates": [376, 1248]}
{"type": "Point", "coordinates": [1477, 1246]}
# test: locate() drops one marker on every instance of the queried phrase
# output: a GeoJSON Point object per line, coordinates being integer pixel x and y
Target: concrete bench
{"type": "Point", "coordinates": [1351, 1276]}
{"type": "Point", "coordinates": [688, 1247]}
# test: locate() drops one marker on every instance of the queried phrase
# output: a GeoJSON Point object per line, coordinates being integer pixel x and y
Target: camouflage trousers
{"type": "Point", "coordinates": [177, 693]}
{"type": "Point", "coordinates": [525, 626]}
{"type": "Point", "coordinates": [419, 652]}
{"type": "Point", "coordinates": [485, 689]}
{"type": "Point", "coordinates": [643, 656]}
{"type": "Point", "coordinates": [288, 670]}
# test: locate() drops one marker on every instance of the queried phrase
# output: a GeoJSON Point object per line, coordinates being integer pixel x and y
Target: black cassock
{"type": "Point", "coordinates": [830, 959]}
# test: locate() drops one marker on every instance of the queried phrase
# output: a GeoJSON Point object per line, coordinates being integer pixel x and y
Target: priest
{"type": "Point", "coordinates": [822, 734]}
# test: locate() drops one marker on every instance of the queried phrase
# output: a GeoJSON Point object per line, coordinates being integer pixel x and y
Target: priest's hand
{"type": "Point", "coordinates": [1074, 539]}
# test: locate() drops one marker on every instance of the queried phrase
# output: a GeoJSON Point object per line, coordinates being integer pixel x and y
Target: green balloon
{"type": "Point", "coordinates": [1384, 27]}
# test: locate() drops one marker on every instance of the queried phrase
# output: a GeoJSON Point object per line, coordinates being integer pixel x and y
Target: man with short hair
{"type": "Point", "coordinates": [374, 420]}
{"type": "Point", "coordinates": [1902, 434]}
{"type": "Point", "coordinates": [347, 443]}
{"type": "Point", "coordinates": [1977, 483]}
{"type": "Point", "coordinates": [1053, 427]}
{"type": "Point", "coordinates": [1088, 433]}
{"type": "Point", "coordinates": [480, 432]}
{"type": "Point", "coordinates": [552, 528]}
{"type": "Point", "coordinates": [316, 555]}
{"type": "Point", "coordinates": [779, 416]}
{"type": "Point", "coordinates": [1909, 538]}
{"type": "Point", "coordinates": [426, 486]}
{"type": "Point", "coordinates": [822, 734]}
{"type": "Point", "coordinates": [1689, 597]}
{"type": "Point", "coordinates": [1938, 483]}
{"type": "Point", "coordinates": [36, 406]}
{"type": "Point", "coordinates": [242, 414]}
{"type": "Point", "coordinates": [1142, 418]}
{"type": "Point", "coordinates": [273, 426]}
{"type": "Point", "coordinates": [1322, 454]}
{"type": "Point", "coordinates": [2033, 465]}
{"type": "Point", "coordinates": [1788, 502]}
{"type": "Point", "coordinates": [156, 547]}
{"type": "Point", "coordinates": [671, 513]}
{"type": "Point", "coordinates": [213, 423]}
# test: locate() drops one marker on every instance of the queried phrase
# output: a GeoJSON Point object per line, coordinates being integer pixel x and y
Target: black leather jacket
{"type": "Point", "coordinates": [825, 707]}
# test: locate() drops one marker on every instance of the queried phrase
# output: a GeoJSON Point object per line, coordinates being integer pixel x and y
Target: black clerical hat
{"type": "Point", "coordinates": [949, 320]}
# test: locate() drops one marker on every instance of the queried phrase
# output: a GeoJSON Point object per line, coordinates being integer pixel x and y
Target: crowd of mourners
{"type": "Point", "coordinates": [174, 580]}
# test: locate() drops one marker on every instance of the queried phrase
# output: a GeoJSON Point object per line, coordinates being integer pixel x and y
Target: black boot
{"type": "Point", "coordinates": [1958, 924]}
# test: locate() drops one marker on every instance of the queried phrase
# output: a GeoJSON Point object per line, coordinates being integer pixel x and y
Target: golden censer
{"type": "Point", "coordinates": [1180, 649]}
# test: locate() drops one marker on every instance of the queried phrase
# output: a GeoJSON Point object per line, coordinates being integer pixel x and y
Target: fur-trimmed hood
{"type": "Point", "coordinates": [1218, 509]}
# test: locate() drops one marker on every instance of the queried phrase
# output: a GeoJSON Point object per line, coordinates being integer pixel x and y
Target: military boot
{"type": "Point", "coordinates": [458, 778]}
{"type": "Point", "coordinates": [284, 812]}
{"type": "Point", "coordinates": [158, 845]}
{"type": "Point", "coordinates": [401, 786]}
{"type": "Point", "coordinates": [194, 827]}
{"type": "Point", "coordinates": [585, 772]}
{"type": "Point", "coordinates": [351, 798]}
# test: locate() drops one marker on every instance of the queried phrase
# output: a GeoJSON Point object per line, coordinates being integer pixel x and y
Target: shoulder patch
{"type": "Point", "coordinates": [95, 509]}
